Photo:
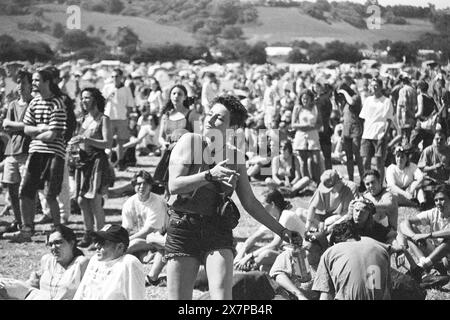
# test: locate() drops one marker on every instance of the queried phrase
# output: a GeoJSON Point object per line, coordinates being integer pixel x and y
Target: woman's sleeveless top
{"type": "Point", "coordinates": [206, 199]}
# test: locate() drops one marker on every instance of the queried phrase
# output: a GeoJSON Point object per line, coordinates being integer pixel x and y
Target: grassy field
{"type": "Point", "coordinates": [19, 260]}
{"type": "Point", "coordinates": [288, 24]}
{"type": "Point", "coordinates": [275, 25]}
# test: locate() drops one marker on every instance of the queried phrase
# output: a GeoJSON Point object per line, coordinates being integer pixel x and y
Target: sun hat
{"type": "Point", "coordinates": [328, 180]}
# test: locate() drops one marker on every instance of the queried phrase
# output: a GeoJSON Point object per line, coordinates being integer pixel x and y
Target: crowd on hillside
{"type": "Point", "coordinates": [65, 135]}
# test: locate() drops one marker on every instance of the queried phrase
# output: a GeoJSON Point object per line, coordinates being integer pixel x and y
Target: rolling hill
{"type": "Point", "coordinates": [275, 25]}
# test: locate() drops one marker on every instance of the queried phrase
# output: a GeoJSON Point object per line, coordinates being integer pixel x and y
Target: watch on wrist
{"type": "Point", "coordinates": [208, 176]}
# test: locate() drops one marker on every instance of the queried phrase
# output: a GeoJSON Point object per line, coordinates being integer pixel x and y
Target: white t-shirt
{"type": "Point", "coordinates": [433, 219]}
{"type": "Point", "coordinates": [209, 92]}
{"type": "Point", "coordinates": [119, 279]}
{"type": "Point", "coordinates": [117, 101]}
{"type": "Point", "coordinates": [375, 113]}
{"type": "Point", "coordinates": [403, 178]}
{"type": "Point", "coordinates": [137, 214]}
{"type": "Point", "coordinates": [149, 135]}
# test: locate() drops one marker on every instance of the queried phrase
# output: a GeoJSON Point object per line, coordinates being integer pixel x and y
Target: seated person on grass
{"type": "Point", "coordinates": [354, 267]}
{"type": "Point", "coordinates": [330, 201]}
{"type": "Point", "coordinates": [404, 179]}
{"type": "Point", "coordinates": [286, 172]}
{"type": "Point", "coordinates": [59, 276]}
{"type": "Point", "coordinates": [385, 202]}
{"type": "Point", "coordinates": [143, 216]}
{"type": "Point", "coordinates": [111, 273]}
{"type": "Point", "coordinates": [361, 213]}
{"type": "Point", "coordinates": [431, 248]}
{"type": "Point", "coordinates": [298, 286]}
{"type": "Point", "coordinates": [250, 257]}
{"type": "Point", "coordinates": [435, 163]}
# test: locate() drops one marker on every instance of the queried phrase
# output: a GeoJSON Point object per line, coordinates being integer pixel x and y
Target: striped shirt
{"type": "Point", "coordinates": [49, 112]}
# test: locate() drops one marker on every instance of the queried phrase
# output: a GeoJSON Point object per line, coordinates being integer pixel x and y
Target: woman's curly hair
{"type": "Point", "coordinates": [238, 113]}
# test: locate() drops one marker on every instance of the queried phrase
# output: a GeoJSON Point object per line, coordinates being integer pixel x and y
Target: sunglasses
{"type": "Point", "coordinates": [57, 242]}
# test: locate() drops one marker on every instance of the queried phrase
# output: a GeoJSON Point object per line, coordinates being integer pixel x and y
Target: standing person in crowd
{"type": "Point", "coordinates": [324, 106]}
{"type": "Point", "coordinates": [270, 100]}
{"type": "Point", "coordinates": [353, 268]}
{"type": "Point", "coordinates": [404, 179]}
{"type": "Point", "coordinates": [144, 216]}
{"type": "Point", "coordinates": [64, 197]}
{"type": "Point", "coordinates": [111, 273]}
{"type": "Point", "coordinates": [93, 174]}
{"type": "Point", "coordinates": [60, 272]}
{"type": "Point", "coordinates": [426, 117]}
{"type": "Point", "coordinates": [119, 104]}
{"type": "Point", "coordinates": [16, 151]}
{"type": "Point", "coordinates": [45, 122]}
{"type": "Point", "coordinates": [286, 171]}
{"type": "Point", "coordinates": [307, 121]}
{"type": "Point", "coordinates": [386, 204]}
{"type": "Point", "coordinates": [350, 103]}
{"type": "Point", "coordinates": [177, 118]}
{"type": "Point", "coordinates": [196, 233]}
{"type": "Point", "coordinates": [378, 115]}
{"type": "Point", "coordinates": [210, 89]}
{"type": "Point", "coordinates": [155, 97]}
{"type": "Point", "coordinates": [432, 249]}
{"type": "Point", "coordinates": [406, 105]}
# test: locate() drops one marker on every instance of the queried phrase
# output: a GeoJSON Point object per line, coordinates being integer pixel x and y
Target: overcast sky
{"type": "Point", "coordinates": [440, 4]}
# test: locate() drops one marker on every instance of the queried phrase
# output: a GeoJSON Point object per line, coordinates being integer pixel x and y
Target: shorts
{"type": "Point", "coordinates": [14, 168]}
{"type": "Point", "coordinates": [121, 130]}
{"type": "Point", "coordinates": [306, 140]}
{"type": "Point", "coordinates": [192, 235]}
{"type": "Point", "coordinates": [373, 148]}
{"type": "Point", "coordinates": [43, 171]}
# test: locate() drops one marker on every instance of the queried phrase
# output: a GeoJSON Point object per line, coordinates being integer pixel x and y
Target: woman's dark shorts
{"type": "Point", "coordinates": [192, 235]}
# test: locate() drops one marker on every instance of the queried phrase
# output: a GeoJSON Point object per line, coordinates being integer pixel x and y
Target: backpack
{"type": "Point", "coordinates": [71, 122]}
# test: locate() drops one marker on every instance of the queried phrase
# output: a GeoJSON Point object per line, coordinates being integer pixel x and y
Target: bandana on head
{"type": "Point", "coordinates": [365, 203]}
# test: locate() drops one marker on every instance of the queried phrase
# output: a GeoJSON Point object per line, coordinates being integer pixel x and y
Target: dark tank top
{"type": "Point", "coordinates": [206, 199]}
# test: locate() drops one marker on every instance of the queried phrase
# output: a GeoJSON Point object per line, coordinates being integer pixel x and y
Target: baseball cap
{"type": "Point", "coordinates": [114, 233]}
{"type": "Point", "coordinates": [328, 180]}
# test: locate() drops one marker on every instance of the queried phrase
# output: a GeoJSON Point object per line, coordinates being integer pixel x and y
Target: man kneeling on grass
{"type": "Point", "coordinates": [432, 249]}
{"type": "Point", "coordinates": [112, 274]}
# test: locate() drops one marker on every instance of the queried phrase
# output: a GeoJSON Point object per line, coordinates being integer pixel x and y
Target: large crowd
{"type": "Point", "coordinates": [66, 131]}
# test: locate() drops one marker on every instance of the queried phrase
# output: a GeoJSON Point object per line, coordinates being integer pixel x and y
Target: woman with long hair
{"type": "Point", "coordinates": [155, 97]}
{"type": "Point", "coordinates": [176, 118]}
{"type": "Point", "coordinates": [307, 121]}
{"type": "Point", "coordinates": [93, 175]}
{"type": "Point", "coordinates": [286, 171]}
{"type": "Point", "coordinates": [197, 232]}
{"type": "Point", "coordinates": [60, 272]}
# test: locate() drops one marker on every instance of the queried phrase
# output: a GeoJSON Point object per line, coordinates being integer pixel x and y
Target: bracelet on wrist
{"type": "Point", "coordinates": [208, 176]}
